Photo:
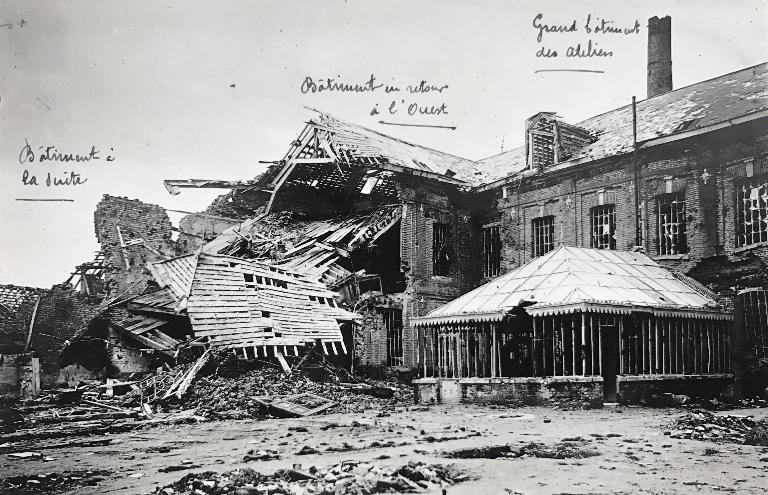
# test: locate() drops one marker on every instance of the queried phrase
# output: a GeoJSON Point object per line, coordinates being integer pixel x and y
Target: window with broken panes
{"type": "Point", "coordinates": [491, 251]}
{"type": "Point", "coordinates": [671, 224]}
{"type": "Point", "coordinates": [543, 235]}
{"type": "Point", "coordinates": [441, 249]}
{"type": "Point", "coordinates": [603, 227]}
{"type": "Point", "coordinates": [393, 322]}
{"type": "Point", "coordinates": [752, 211]}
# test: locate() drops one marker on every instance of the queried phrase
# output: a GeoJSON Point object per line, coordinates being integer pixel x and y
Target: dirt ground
{"type": "Point", "coordinates": [638, 458]}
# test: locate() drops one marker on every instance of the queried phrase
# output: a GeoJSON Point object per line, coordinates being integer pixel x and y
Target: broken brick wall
{"type": "Point", "coordinates": [61, 315]}
{"type": "Point", "coordinates": [146, 236]}
{"type": "Point", "coordinates": [196, 230]}
{"type": "Point", "coordinates": [426, 205]}
{"type": "Point", "coordinates": [17, 304]}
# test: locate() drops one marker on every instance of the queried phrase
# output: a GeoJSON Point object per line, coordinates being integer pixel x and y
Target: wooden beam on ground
{"type": "Point", "coordinates": [282, 361]}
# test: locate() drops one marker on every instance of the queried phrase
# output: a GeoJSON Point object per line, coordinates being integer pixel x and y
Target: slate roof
{"type": "Point", "coordinates": [571, 279]}
{"type": "Point", "coordinates": [364, 142]}
{"type": "Point", "coordinates": [692, 107]}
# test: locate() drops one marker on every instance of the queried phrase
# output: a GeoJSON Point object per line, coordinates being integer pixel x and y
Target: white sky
{"type": "Point", "coordinates": [152, 80]}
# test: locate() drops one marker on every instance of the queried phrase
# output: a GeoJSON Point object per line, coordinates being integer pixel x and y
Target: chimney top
{"type": "Point", "coordinates": [659, 55]}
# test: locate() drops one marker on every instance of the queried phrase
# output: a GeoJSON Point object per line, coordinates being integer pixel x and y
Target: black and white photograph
{"type": "Point", "coordinates": [348, 247]}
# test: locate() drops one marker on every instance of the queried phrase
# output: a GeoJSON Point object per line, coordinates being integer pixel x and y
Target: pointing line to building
{"type": "Point", "coordinates": [569, 70]}
{"type": "Point", "coordinates": [45, 199]}
{"type": "Point", "coordinates": [453, 128]}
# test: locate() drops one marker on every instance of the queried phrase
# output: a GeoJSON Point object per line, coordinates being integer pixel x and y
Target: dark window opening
{"type": "Point", "coordinates": [671, 224]}
{"type": "Point", "coordinates": [543, 235]}
{"type": "Point", "coordinates": [393, 322]}
{"type": "Point", "coordinates": [603, 227]}
{"type": "Point", "coordinates": [441, 249]}
{"type": "Point", "coordinates": [491, 251]}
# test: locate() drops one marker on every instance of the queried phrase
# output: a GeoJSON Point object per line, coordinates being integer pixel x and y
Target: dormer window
{"type": "Point", "coordinates": [549, 141]}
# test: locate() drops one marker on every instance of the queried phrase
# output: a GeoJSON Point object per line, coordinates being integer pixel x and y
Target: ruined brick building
{"type": "Point", "coordinates": [679, 176]}
{"type": "Point", "coordinates": [396, 230]}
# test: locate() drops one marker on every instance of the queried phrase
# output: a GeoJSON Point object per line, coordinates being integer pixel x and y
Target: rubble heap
{"type": "Point", "coordinates": [228, 397]}
{"type": "Point", "coordinates": [349, 477]}
{"type": "Point", "coordinates": [704, 425]}
{"type": "Point", "coordinates": [51, 482]}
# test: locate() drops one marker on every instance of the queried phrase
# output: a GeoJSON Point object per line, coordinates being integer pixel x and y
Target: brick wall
{"type": "Point", "coordinates": [62, 313]}
{"type": "Point", "coordinates": [426, 205]}
{"type": "Point", "coordinates": [146, 224]}
{"type": "Point", "coordinates": [703, 170]}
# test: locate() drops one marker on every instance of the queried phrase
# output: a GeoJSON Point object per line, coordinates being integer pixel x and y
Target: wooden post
{"type": "Point", "coordinates": [573, 344]}
{"type": "Point", "coordinates": [466, 353]}
{"type": "Point", "coordinates": [494, 355]}
{"type": "Point", "coordinates": [591, 345]}
{"type": "Point", "coordinates": [708, 327]}
{"type": "Point", "coordinates": [534, 348]}
{"type": "Point", "coordinates": [583, 344]}
{"type": "Point", "coordinates": [599, 347]}
{"type": "Point", "coordinates": [657, 349]}
{"type": "Point", "coordinates": [554, 349]}
{"type": "Point", "coordinates": [620, 338]}
{"type": "Point", "coordinates": [643, 346]}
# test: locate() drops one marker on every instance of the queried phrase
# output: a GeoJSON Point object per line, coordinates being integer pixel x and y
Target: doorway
{"type": "Point", "coordinates": [609, 362]}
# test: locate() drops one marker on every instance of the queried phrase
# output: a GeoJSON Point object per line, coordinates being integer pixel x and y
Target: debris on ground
{"type": "Point", "coordinates": [349, 477]}
{"type": "Point", "coordinates": [51, 482]}
{"type": "Point", "coordinates": [250, 394]}
{"type": "Point", "coordinates": [704, 425]}
{"type": "Point", "coordinates": [567, 449]}
{"type": "Point", "coordinates": [214, 385]}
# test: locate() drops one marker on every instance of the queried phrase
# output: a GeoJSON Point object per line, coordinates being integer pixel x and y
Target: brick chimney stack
{"type": "Point", "coordinates": [659, 56]}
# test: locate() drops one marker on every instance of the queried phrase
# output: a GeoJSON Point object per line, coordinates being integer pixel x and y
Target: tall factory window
{"type": "Point", "coordinates": [671, 224]}
{"type": "Point", "coordinates": [543, 235]}
{"type": "Point", "coordinates": [441, 249]}
{"type": "Point", "coordinates": [603, 227]}
{"type": "Point", "coordinates": [491, 251]}
{"type": "Point", "coordinates": [752, 212]}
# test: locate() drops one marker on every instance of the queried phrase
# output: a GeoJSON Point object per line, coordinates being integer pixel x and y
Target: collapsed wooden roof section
{"type": "Point", "coordinates": [315, 249]}
{"type": "Point", "coordinates": [237, 303]}
{"type": "Point", "coordinates": [332, 154]}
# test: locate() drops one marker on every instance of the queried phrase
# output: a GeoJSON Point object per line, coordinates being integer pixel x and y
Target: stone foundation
{"type": "Point", "coordinates": [527, 391]}
{"type": "Point", "coordinates": [635, 388]}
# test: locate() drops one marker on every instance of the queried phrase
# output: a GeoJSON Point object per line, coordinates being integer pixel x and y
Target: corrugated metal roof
{"type": "Point", "coordinates": [570, 278]}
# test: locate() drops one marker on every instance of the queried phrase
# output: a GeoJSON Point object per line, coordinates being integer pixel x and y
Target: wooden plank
{"type": "Point", "coordinates": [282, 361]}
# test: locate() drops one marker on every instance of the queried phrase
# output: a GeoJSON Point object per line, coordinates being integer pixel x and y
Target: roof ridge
{"type": "Point", "coordinates": [329, 115]}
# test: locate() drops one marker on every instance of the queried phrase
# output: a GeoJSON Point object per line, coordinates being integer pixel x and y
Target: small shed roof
{"type": "Point", "coordinates": [571, 279]}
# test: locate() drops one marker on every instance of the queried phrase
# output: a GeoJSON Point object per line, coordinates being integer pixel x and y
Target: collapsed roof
{"type": "Point", "coordinates": [234, 303]}
{"type": "Point", "coordinates": [571, 279]}
{"type": "Point", "coordinates": [313, 248]}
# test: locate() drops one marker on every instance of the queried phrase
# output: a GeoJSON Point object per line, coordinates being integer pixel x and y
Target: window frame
{"type": "Point", "coordinates": [679, 244]}
{"type": "Point", "coordinates": [596, 240]}
{"type": "Point", "coordinates": [441, 249]}
{"type": "Point", "coordinates": [538, 225]}
{"type": "Point", "coordinates": [491, 244]}
{"type": "Point", "coordinates": [741, 188]}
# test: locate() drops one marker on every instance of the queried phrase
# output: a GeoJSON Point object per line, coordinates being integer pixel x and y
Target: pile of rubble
{"type": "Point", "coordinates": [349, 477]}
{"type": "Point", "coordinates": [704, 425]}
{"type": "Point", "coordinates": [244, 396]}
{"type": "Point", "coordinates": [575, 448]}
{"type": "Point", "coordinates": [51, 482]}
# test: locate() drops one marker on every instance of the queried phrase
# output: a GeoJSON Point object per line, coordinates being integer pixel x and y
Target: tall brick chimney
{"type": "Point", "coordinates": [659, 56]}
